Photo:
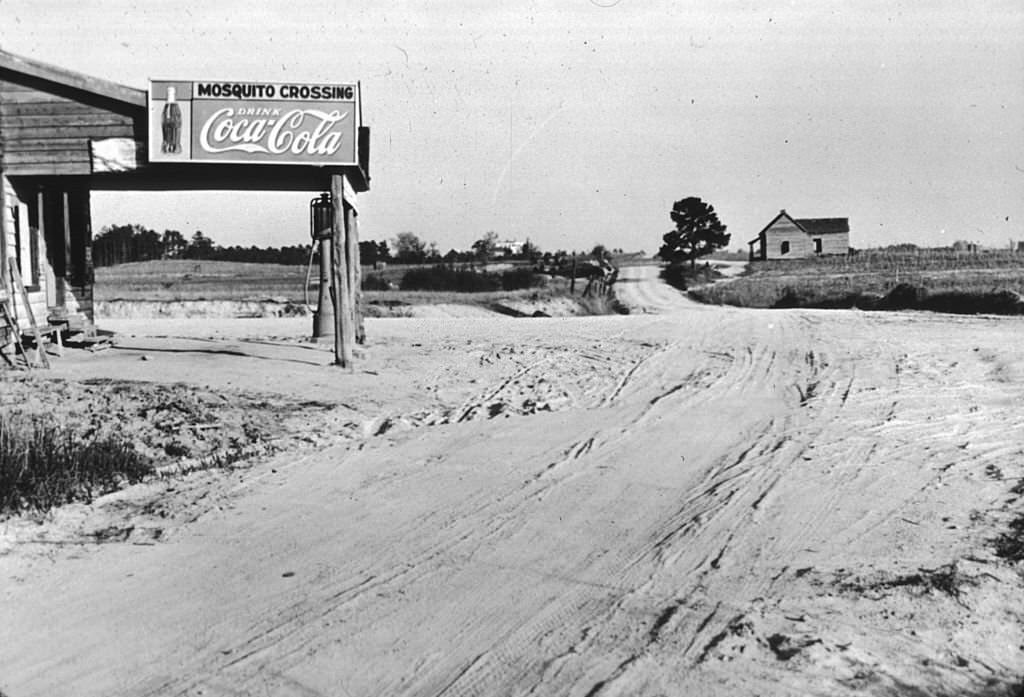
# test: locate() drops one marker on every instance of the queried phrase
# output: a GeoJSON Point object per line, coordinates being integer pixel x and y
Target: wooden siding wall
{"type": "Point", "coordinates": [835, 243]}
{"type": "Point", "coordinates": [36, 298]}
{"type": "Point", "coordinates": [783, 230]}
{"type": "Point", "coordinates": [46, 134]}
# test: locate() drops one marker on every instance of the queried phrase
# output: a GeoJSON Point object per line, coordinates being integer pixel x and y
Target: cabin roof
{"type": "Point", "coordinates": [10, 62]}
{"type": "Point", "coordinates": [812, 226]}
{"type": "Point", "coordinates": [823, 226]}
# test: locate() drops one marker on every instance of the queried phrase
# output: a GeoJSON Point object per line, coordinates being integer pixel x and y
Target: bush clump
{"type": "Point", "coordinates": [468, 280]}
{"type": "Point", "coordinates": [903, 296]}
{"type": "Point", "coordinates": [44, 464]}
{"type": "Point", "coordinates": [519, 278]}
{"type": "Point", "coordinates": [375, 281]}
{"type": "Point", "coordinates": [682, 276]}
{"type": "Point", "coordinates": [836, 293]}
{"type": "Point", "coordinates": [461, 279]}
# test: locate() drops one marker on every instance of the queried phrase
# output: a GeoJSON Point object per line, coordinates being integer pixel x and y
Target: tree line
{"type": "Point", "coordinates": [409, 248]}
{"type": "Point", "coordinates": [121, 244]}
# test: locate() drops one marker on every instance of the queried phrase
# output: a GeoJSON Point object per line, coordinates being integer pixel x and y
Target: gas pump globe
{"type": "Point", "coordinates": [321, 216]}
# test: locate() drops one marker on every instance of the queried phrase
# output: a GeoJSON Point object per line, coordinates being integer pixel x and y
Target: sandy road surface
{"type": "Point", "coordinates": [639, 289]}
{"type": "Point", "coordinates": [700, 502]}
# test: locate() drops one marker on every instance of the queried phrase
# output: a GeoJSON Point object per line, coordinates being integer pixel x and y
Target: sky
{"type": "Point", "coordinates": [579, 122]}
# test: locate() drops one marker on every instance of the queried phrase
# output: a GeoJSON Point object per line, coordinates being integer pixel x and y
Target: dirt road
{"type": "Point", "coordinates": [691, 501]}
{"type": "Point", "coordinates": [639, 289]}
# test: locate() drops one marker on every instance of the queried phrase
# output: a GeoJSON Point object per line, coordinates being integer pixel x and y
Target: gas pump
{"type": "Point", "coordinates": [321, 216]}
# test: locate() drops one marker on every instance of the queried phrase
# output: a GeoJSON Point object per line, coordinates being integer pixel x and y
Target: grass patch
{"type": "Point", "coordinates": [44, 464]}
{"type": "Point", "coordinates": [183, 280]}
{"type": "Point", "coordinates": [63, 441]}
{"type": "Point", "coordinates": [946, 580]}
{"type": "Point", "coordinates": [1010, 544]}
{"type": "Point", "coordinates": [180, 280]}
{"type": "Point", "coordinates": [177, 279]}
{"type": "Point", "coordinates": [384, 289]}
{"type": "Point", "coordinates": [936, 280]}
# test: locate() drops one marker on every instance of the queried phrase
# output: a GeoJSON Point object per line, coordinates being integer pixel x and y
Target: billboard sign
{"type": "Point", "coordinates": [253, 123]}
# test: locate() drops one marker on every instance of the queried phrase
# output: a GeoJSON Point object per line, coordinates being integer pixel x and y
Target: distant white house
{"type": "Point", "coordinates": [786, 237]}
{"type": "Point", "coordinates": [509, 248]}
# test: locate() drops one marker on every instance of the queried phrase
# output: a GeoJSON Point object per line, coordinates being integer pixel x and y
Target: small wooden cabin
{"type": "Point", "coordinates": [786, 237]}
{"type": "Point", "coordinates": [50, 119]}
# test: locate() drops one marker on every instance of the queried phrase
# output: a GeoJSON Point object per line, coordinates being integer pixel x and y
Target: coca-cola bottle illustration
{"type": "Point", "coordinates": [171, 123]}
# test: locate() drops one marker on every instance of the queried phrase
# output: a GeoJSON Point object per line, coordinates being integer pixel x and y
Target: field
{"type": "Point", "coordinates": [944, 280]}
{"type": "Point", "coordinates": [216, 288]}
{"type": "Point", "coordinates": [685, 500]}
{"type": "Point", "coordinates": [176, 280]}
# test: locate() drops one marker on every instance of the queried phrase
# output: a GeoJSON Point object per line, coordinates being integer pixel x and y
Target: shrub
{"type": "Point", "coordinates": [45, 464]}
{"type": "Point", "coordinates": [903, 297]}
{"type": "Point", "coordinates": [519, 278]}
{"type": "Point", "coordinates": [375, 281]}
{"type": "Point", "coordinates": [462, 280]}
{"type": "Point", "coordinates": [465, 279]}
{"type": "Point", "coordinates": [1002, 302]}
{"type": "Point", "coordinates": [675, 276]}
{"type": "Point", "coordinates": [681, 276]}
{"type": "Point", "coordinates": [794, 297]}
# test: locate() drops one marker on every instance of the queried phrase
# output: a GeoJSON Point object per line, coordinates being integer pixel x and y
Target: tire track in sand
{"type": "Point", "coordinates": [633, 570]}
{"type": "Point", "coordinates": [283, 638]}
{"type": "Point", "coordinates": [694, 542]}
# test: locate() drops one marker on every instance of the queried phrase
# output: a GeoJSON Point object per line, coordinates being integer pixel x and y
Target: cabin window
{"type": "Point", "coordinates": [26, 247]}
{"type": "Point", "coordinates": [784, 248]}
{"type": "Point", "coordinates": [817, 245]}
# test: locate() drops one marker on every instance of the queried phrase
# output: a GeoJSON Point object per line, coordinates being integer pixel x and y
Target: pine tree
{"type": "Point", "coordinates": [698, 232]}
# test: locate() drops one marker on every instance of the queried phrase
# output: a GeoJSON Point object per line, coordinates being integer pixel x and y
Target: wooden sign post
{"type": "Point", "coordinates": [344, 297]}
{"type": "Point", "coordinates": [354, 268]}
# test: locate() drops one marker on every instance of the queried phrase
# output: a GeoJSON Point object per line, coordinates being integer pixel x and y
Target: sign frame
{"type": "Point", "coordinates": [314, 124]}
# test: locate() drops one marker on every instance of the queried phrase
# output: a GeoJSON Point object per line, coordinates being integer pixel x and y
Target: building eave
{"type": "Point", "coordinates": [19, 65]}
{"type": "Point", "coordinates": [782, 214]}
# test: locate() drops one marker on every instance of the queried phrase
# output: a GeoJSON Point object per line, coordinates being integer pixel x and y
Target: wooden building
{"type": "Point", "coordinates": [786, 237]}
{"type": "Point", "coordinates": [64, 134]}
{"type": "Point", "coordinates": [49, 119]}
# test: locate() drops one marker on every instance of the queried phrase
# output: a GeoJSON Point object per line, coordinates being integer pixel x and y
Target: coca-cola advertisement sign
{"type": "Point", "coordinates": [253, 122]}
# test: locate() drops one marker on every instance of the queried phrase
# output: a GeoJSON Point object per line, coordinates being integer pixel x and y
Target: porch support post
{"type": "Point", "coordinates": [4, 283]}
